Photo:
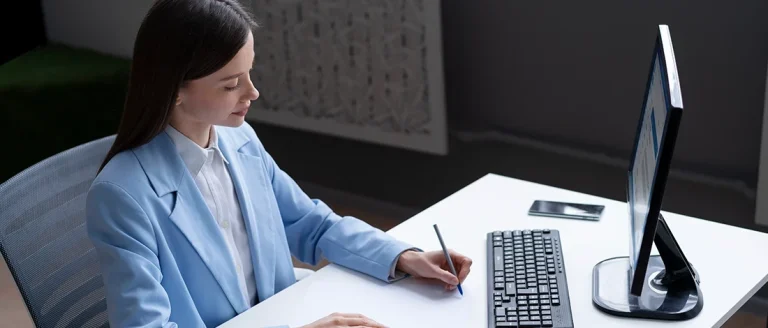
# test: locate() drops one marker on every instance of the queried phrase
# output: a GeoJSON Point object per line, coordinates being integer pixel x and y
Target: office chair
{"type": "Point", "coordinates": [44, 241]}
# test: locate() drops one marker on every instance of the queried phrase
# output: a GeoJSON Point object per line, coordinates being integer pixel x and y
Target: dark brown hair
{"type": "Point", "coordinates": [178, 41]}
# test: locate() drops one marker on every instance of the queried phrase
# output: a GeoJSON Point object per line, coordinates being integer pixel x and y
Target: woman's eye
{"type": "Point", "coordinates": [234, 87]}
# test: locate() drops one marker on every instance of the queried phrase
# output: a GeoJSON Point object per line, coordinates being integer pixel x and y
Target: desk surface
{"type": "Point", "coordinates": [495, 202]}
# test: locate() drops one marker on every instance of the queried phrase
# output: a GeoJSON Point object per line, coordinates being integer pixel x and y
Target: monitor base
{"type": "Point", "coordinates": [661, 298]}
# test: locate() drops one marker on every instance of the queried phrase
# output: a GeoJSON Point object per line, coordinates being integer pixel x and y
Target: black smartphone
{"type": "Point", "coordinates": [566, 210]}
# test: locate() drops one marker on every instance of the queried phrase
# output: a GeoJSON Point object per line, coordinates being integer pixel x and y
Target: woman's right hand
{"type": "Point", "coordinates": [344, 320]}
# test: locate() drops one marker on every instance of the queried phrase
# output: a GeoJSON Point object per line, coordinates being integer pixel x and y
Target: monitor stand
{"type": "Point", "coordinates": [670, 292]}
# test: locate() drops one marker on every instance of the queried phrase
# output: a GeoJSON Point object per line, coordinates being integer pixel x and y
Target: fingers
{"type": "Point", "coordinates": [462, 265]}
{"type": "Point", "coordinates": [446, 276]}
{"type": "Point", "coordinates": [354, 320]}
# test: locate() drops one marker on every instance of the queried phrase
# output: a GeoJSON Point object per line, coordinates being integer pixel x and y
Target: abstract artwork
{"type": "Point", "coordinates": [370, 70]}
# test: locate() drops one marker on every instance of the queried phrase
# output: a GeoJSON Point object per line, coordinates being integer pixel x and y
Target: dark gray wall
{"type": "Point", "coordinates": [549, 70]}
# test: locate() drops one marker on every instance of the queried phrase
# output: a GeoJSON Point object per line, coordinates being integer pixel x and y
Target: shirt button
{"type": "Point", "coordinates": [225, 224]}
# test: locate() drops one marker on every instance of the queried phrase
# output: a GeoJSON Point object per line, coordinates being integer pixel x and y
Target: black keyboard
{"type": "Point", "coordinates": [526, 280]}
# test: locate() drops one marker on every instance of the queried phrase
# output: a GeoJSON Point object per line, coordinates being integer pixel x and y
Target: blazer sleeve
{"type": "Point", "coordinates": [314, 231]}
{"type": "Point", "coordinates": [126, 246]}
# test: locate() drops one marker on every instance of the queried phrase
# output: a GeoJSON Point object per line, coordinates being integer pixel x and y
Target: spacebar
{"type": "Point", "coordinates": [498, 259]}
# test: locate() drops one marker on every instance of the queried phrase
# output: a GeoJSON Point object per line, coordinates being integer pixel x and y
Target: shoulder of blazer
{"type": "Point", "coordinates": [124, 171]}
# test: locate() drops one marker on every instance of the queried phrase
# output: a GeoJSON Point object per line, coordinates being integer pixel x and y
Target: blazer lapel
{"type": "Point", "coordinates": [190, 214]}
{"type": "Point", "coordinates": [249, 179]}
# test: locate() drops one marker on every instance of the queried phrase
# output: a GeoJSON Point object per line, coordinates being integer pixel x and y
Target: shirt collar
{"type": "Point", "coordinates": [192, 154]}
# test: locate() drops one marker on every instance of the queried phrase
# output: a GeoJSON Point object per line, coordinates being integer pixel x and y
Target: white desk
{"type": "Point", "coordinates": [497, 203]}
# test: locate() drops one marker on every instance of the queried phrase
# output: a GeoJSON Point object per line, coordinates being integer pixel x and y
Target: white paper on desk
{"type": "Point", "coordinates": [397, 304]}
{"type": "Point", "coordinates": [406, 303]}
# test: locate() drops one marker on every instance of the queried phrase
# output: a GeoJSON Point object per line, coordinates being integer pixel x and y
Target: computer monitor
{"type": "Point", "coordinates": [663, 286]}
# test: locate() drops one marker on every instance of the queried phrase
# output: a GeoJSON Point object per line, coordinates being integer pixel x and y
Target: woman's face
{"type": "Point", "coordinates": [221, 98]}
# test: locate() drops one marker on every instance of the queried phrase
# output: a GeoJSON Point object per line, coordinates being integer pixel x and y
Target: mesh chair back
{"type": "Point", "coordinates": [44, 241]}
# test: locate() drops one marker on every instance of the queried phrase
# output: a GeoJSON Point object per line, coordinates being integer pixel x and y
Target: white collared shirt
{"type": "Point", "coordinates": [209, 169]}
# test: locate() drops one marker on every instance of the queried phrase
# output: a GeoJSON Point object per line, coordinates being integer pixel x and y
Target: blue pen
{"type": "Point", "coordinates": [447, 256]}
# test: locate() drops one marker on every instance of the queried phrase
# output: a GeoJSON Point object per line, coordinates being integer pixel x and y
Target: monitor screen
{"type": "Point", "coordinates": [645, 161]}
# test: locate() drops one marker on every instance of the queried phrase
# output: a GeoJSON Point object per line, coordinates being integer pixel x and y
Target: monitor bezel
{"type": "Point", "coordinates": [663, 51]}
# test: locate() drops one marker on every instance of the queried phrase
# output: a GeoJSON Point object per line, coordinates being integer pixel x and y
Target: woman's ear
{"type": "Point", "coordinates": [178, 100]}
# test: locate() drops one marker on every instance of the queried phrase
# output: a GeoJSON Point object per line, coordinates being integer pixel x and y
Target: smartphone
{"type": "Point", "coordinates": [566, 210]}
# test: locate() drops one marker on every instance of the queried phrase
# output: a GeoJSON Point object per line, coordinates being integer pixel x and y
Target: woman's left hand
{"type": "Point", "coordinates": [433, 266]}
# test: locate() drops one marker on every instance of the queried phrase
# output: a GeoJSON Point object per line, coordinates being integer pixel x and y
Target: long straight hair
{"type": "Point", "coordinates": [178, 41]}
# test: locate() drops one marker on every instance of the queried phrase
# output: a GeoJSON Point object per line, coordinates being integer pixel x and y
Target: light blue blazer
{"type": "Point", "coordinates": [163, 259]}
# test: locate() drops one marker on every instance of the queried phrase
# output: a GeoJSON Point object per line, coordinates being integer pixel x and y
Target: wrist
{"type": "Point", "coordinates": [404, 259]}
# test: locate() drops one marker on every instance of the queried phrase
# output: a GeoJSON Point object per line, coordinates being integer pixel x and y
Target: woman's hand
{"type": "Point", "coordinates": [432, 265]}
{"type": "Point", "coordinates": [344, 320]}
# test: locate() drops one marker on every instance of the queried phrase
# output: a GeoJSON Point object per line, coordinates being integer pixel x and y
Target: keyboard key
{"type": "Point", "coordinates": [527, 291]}
{"type": "Point", "coordinates": [536, 313]}
{"type": "Point", "coordinates": [498, 279]}
{"type": "Point", "coordinates": [497, 303]}
{"type": "Point", "coordinates": [529, 324]}
{"type": "Point", "coordinates": [546, 312]}
{"type": "Point", "coordinates": [544, 289]}
{"type": "Point", "coordinates": [523, 313]}
{"type": "Point", "coordinates": [525, 318]}
{"type": "Point", "coordinates": [534, 308]}
{"type": "Point", "coordinates": [506, 324]}
{"type": "Point", "coordinates": [498, 273]}
{"type": "Point", "coordinates": [510, 288]}
{"type": "Point", "coordinates": [523, 308]}
{"type": "Point", "coordinates": [535, 318]}
{"type": "Point", "coordinates": [507, 234]}
{"type": "Point", "coordinates": [501, 312]}
{"type": "Point", "coordinates": [546, 307]}
{"type": "Point", "coordinates": [546, 317]}
{"type": "Point", "coordinates": [498, 260]}
{"type": "Point", "coordinates": [555, 302]}
{"type": "Point", "coordinates": [498, 285]}
{"type": "Point", "coordinates": [546, 323]}
{"type": "Point", "coordinates": [501, 319]}
{"type": "Point", "coordinates": [554, 291]}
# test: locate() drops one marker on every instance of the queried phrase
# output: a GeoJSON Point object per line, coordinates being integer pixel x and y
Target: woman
{"type": "Point", "coordinates": [192, 219]}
